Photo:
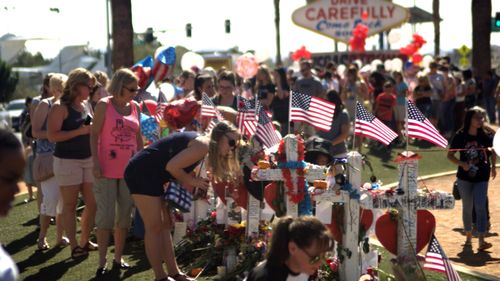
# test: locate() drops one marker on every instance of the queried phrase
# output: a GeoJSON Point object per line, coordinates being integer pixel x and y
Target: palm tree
{"type": "Point", "coordinates": [437, 31]}
{"type": "Point", "coordinates": [481, 31]}
{"type": "Point", "coordinates": [278, 33]}
{"type": "Point", "coordinates": [122, 30]}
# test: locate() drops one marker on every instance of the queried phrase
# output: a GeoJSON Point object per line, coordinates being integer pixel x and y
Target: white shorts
{"type": "Point", "coordinates": [52, 201]}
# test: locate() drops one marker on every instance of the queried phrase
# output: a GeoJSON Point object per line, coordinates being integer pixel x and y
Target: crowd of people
{"type": "Point", "coordinates": [88, 129]}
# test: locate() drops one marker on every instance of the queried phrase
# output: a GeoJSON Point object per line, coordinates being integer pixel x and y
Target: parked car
{"type": "Point", "coordinates": [15, 108]}
{"type": "Point", "coordinates": [5, 122]}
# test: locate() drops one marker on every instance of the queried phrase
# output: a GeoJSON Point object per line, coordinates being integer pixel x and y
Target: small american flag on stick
{"type": "Point", "coordinates": [421, 128]}
{"type": "Point", "coordinates": [369, 126]}
{"type": "Point", "coordinates": [315, 111]}
{"type": "Point", "coordinates": [436, 259]}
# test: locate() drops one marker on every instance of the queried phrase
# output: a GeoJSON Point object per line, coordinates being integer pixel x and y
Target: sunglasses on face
{"type": "Point", "coordinates": [313, 259]}
{"type": "Point", "coordinates": [132, 90]}
{"type": "Point", "coordinates": [231, 142]}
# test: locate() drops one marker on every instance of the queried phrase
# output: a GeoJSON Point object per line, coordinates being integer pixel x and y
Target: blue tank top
{"type": "Point", "coordinates": [79, 146]}
{"type": "Point", "coordinates": [150, 163]}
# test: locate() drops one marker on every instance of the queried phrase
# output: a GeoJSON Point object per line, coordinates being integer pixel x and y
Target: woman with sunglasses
{"type": "Point", "coordinates": [115, 138]}
{"type": "Point", "coordinates": [173, 159]}
{"type": "Point", "coordinates": [476, 164]}
{"type": "Point", "coordinates": [67, 128]}
{"type": "Point", "coordinates": [298, 248]}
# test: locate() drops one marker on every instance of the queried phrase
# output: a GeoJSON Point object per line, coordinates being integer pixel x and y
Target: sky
{"type": "Point", "coordinates": [252, 25]}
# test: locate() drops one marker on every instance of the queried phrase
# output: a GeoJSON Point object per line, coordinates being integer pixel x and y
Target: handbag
{"type": "Point", "coordinates": [43, 168]}
{"type": "Point", "coordinates": [456, 192]}
{"type": "Point", "coordinates": [178, 197]}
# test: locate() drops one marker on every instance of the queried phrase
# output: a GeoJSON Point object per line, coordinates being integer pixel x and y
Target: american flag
{"type": "Point", "coordinates": [265, 129]}
{"type": "Point", "coordinates": [436, 259]}
{"type": "Point", "coordinates": [312, 110]}
{"type": "Point", "coordinates": [161, 104]}
{"type": "Point", "coordinates": [421, 128]}
{"type": "Point", "coordinates": [208, 109]}
{"type": "Point", "coordinates": [369, 126]}
{"type": "Point", "coordinates": [246, 119]}
{"type": "Point", "coordinates": [162, 64]}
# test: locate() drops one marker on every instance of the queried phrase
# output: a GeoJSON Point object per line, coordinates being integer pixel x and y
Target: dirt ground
{"type": "Point", "coordinates": [449, 230]}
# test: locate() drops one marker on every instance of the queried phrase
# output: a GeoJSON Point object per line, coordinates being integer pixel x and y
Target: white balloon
{"type": "Point", "coordinates": [397, 64]}
{"type": "Point", "coordinates": [191, 59]}
{"type": "Point", "coordinates": [168, 90]}
{"type": "Point", "coordinates": [388, 65]}
{"type": "Point", "coordinates": [359, 63]}
{"type": "Point", "coordinates": [496, 143]}
{"type": "Point", "coordinates": [375, 62]}
{"type": "Point", "coordinates": [394, 37]}
{"type": "Point", "coordinates": [426, 60]}
{"type": "Point", "coordinates": [366, 69]}
{"type": "Point", "coordinates": [341, 70]}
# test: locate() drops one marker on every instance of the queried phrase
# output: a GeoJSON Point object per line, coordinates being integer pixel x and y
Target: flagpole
{"type": "Point", "coordinates": [354, 131]}
{"type": "Point", "coordinates": [406, 124]}
{"type": "Point", "coordinates": [289, 111]}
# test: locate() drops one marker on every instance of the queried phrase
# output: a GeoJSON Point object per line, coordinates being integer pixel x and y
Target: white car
{"type": "Point", "coordinates": [15, 108]}
{"type": "Point", "coordinates": [5, 122]}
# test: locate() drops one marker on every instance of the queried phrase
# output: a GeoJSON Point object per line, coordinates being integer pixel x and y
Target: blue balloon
{"type": "Point", "coordinates": [408, 64]}
{"type": "Point", "coordinates": [167, 56]}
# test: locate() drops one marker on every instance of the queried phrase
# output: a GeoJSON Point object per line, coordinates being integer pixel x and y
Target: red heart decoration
{"type": "Point", "coordinates": [386, 230]}
{"type": "Point", "coordinates": [338, 214]}
{"type": "Point", "coordinates": [270, 194]}
{"type": "Point", "coordinates": [240, 197]}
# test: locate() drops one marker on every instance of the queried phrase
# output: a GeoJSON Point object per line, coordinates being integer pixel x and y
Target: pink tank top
{"type": "Point", "coordinates": [117, 141]}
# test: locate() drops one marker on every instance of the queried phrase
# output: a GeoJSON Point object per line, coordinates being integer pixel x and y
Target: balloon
{"type": "Point", "coordinates": [168, 90]}
{"type": "Point", "coordinates": [246, 66]}
{"type": "Point", "coordinates": [164, 62]}
{"type": "Point", "coordinates": [375, 62]}
{"type": "Point", "coordinates": [301, 53]}
{"type": "Point", "coordinates": [151, 105]}
{"type": "Point", "coordinates": [496, 143]}
{"type": "Point", "coordinates": [397, 64]}
{"type": "Point", "coordinates": [394, 37]}
{"type": "Point", "coordinates": [417, 58]}
{"type": "Point", "coordinates": [364, 15]}
{"type": "Point", "coordinates": [262, 55]}
{"type": "Point", "coordinates": [358, 62]}
{"type": "Point", "coordinates": [357, 41]}
{"type": "Point", "coordinates": [426, 60]}
{"type": "Point", "coordinates": [341, 70]}
{"type": "Point", "coordinates": [388, 65]}
{"type": "Point", "coordinates": [192, 59]}
{"type": "Point", "coordinates": [180, 113]}
{"type": "Point", "coordinates": [365, 69]}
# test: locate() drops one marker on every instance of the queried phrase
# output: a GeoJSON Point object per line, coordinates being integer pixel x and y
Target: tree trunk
{"type": "Point", "coordinates": [437, 31]}
{"type": "Point", "coordinates": [481, 31]}
{"type": "Point", "coordinates": [278, 32]}
{"type": "Point", "coordinates": [123, 49]}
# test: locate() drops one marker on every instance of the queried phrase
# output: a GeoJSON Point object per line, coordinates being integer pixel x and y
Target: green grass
{"type": "Point", "coordinates": [433, 160]}
{"type": "Point", "coordinates": [18, 233]}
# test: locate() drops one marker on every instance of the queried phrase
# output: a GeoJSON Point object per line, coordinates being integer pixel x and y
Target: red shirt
{"type": "Point", "coordinates": [384, 106]}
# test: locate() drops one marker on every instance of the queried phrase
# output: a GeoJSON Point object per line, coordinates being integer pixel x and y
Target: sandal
{"type": "Point", "coordinates": [43, 246]}
{"type": "Point", "coordinates": [485, 245]}
{"type": "Point", "coordinates": [180, 277]}
{"type": "Point", "coordinates": [63, 243]}
{"type": "Point", "coordinates": [90, 246]}
{"type": "Point", "coordinates": [79, 252]}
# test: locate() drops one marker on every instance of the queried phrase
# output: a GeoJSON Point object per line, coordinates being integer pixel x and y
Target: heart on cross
{"type": "Point", "coordinates": [386, 229]}
{"type": "Point", "coordinates": [337, 225]}
{"type": "Point", "coordinates": [240, 195]}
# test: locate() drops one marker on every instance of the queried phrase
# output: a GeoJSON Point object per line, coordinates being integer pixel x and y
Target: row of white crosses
{"type": "Point", "coordinates": [407, 202]}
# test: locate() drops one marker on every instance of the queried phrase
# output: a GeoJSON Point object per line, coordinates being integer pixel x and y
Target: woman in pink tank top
{"type": "Point", "coordinates": [115, 138]}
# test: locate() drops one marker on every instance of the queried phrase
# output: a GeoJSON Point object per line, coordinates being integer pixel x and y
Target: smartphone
{"type": "Point", "coordinates": [88, 120]}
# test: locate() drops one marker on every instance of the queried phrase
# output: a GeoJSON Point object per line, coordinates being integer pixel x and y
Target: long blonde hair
{"type": "Point", "coordinates": [225, 169]}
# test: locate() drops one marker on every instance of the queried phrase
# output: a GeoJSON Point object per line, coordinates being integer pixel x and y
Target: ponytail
{"type": "Point", "coordinates": [278, 252]}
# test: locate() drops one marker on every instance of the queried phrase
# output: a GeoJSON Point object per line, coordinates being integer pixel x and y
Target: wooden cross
{"type": "Point", "coordinates": [350, 268]}
{"type": "Point", "coordinates": [407, 201]}
{"type": "Point", "coordinates": [291, 145]}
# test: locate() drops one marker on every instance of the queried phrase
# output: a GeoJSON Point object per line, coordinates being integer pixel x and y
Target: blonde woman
{"type": "Point", "coordinates": [67, 128]}
{"type": "Point", "coordinates": [51, 205]}
{"type": "Point", "coordinates": [116, 115]}
{"type": "Point", "coordinates": [174, 158]}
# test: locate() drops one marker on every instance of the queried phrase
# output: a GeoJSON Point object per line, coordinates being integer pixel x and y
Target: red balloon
{"type": "Point", "coordinates": [364, 15]}
{"type": "Point", "coordinates": [150, 104]}
{"type": "Point", "coordinates": [180, 113]}
{"type": "Point", "coordinates": [386, 230]}
{"type": "Point", "coordinates": [417, 58]}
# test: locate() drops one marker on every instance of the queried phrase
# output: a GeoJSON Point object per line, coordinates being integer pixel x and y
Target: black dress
{"type": "Point", "coordinates": [145, 173]}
